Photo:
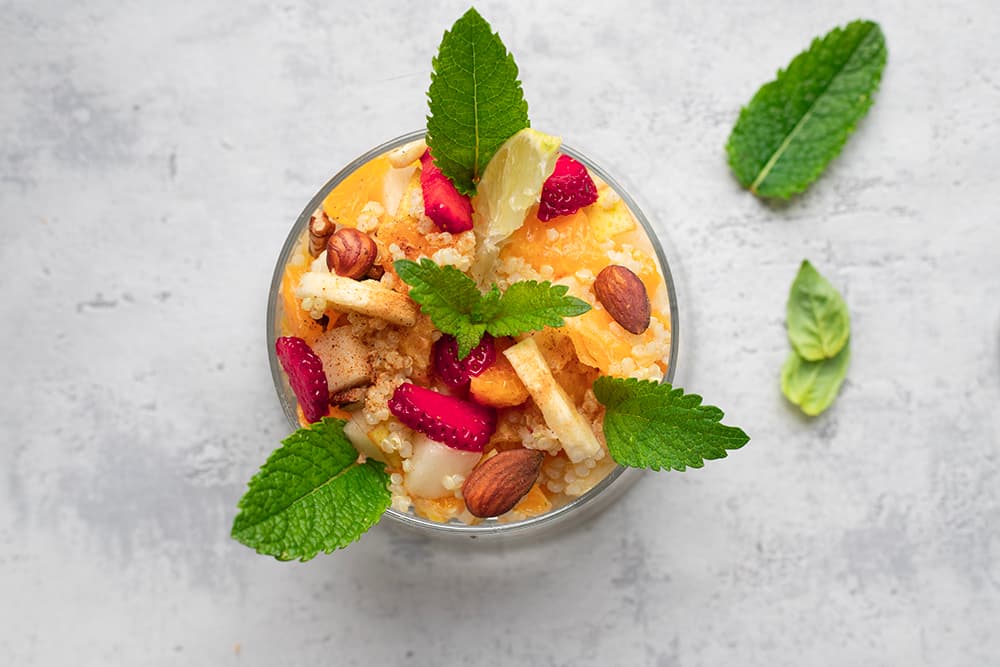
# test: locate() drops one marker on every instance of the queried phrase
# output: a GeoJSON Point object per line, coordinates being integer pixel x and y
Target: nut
{"type": "Point", "coordinates": [320, 229]}
{"type": "Point", "coordinates": [407, 154]}
{"type": "Point", "coordinates": [498, 483]}
{"type": "Point", "coordinates": [624, 297]}
{"type": "Point", "coordinates": [350, 253]}
{"type": "Point", "coordinates": [350, 396]}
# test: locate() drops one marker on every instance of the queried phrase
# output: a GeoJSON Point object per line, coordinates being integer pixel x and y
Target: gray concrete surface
{"type": "Point", "coordinates": [152, 158]}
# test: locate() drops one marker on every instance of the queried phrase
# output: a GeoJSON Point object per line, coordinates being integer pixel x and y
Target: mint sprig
{"type": "Point", "coordinates": [819, 329]}
{"type": "Point", "coordinates": [475, 101]}
{"type": "Point", "coordinates": [457, 307]}
{"type": "Point", "coordinates": [797, 123]}
{"type": "Point", "coordinates": [657, 426]}
{"type": "Point", "coordinates": [312, 495]}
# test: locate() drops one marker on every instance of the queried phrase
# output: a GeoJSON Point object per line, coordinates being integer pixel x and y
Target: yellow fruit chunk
{"type": "Point", "coordinates": [439, 509]}
{"type": "Point", "coordinates": [596, 343]}
{"type": "Point", "coordinates": [365, 184]}
{"type": "Point", "coordinates": [608, 219]}
{"type": "Point", "coordinates": [535, 502]}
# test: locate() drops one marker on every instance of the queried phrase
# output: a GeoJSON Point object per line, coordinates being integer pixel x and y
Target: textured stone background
{"type": "Point", "coordinates": [152, 158]}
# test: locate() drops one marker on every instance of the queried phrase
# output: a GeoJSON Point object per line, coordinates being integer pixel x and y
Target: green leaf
{"type": "Point", "coordinates": [797, 123]}
{"type": "Point", "coordinates": [457, 307]}
{"type": "Point", "coordinates": [812, 385]}
{"type": "Point", "coordinates": [532, 306]}
{"type": "Point", "coordinates": [818, 322]}
{"type": "Point", "coordinates": [444, 293]}
{"type": "Point", "coordinates": [475, 100]}
{"type": "Point", "coordinates": [653, 425]}
{"type": "Point", "coordinates": [312, 495]}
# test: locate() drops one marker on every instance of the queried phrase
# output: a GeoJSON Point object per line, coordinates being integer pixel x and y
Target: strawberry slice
{"type": "Point", "coordinates": [567, 190]}
{"type": "Point", "coordinates": [457, 373]}
{"type": "Point", "coordinates": [457, 423]}
{"type": "Point", "coordinates": [305, 375]}
{"type": "Point", "coordinates": [450, 210]}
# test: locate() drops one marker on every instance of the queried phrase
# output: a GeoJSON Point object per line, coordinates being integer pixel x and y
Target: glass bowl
{"type": "Point", "coordinates": [597, 498]}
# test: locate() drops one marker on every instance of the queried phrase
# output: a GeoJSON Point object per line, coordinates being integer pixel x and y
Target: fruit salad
{"type": "Point", "coordinates": [472, 326]}
{"type": "Point", "coordinates": [511, 429]}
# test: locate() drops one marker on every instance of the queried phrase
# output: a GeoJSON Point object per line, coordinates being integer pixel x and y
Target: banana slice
{"type": "Point", "coordinates": [571, 427]}
{"type": "Point", "coordinates": [367, 297]}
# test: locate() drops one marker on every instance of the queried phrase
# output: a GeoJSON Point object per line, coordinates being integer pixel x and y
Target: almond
{"type": "Point", "coordinates": [624, 297]}
{"type": "Point", "coordinates": [498, 483]}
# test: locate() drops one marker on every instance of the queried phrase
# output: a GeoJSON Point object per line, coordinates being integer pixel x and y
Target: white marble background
{"type": "Point", "coordinates": [152, 158]}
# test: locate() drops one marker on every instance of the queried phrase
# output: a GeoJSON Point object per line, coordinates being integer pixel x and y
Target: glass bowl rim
{"type": "Point", "coordinates": [490, 527]}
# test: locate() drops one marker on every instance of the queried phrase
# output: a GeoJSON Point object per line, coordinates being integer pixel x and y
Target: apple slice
{"type": "Point", "coordinates": [571, 427]}
{"type": "Point", "coordinates": [431, 463]}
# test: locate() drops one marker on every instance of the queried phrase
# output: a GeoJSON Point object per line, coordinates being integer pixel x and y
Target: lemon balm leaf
{"type": "Point", "coordinates": [657, 426]}
{"type": "Point", "coordinates": [796, 124]}
{"type": "Point", "coordinates": [457, 307]}
{"type": "Point", "coordinates": [818, 322]}
{"type": "Point", "coordinates": [475, 100]}
{"type": "Point", "coordinates": [813, 385]}
{"type": "Point", "coordinates": [444, 293]}
{"type": "Point", "coordinates": [532, 306]}
{"type": "Point", "coordinates": [312, 496]}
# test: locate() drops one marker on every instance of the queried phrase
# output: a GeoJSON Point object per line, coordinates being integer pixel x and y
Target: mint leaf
{"type": "Point", "coordinates": [797, 123]}
{"type": "Point", "coordinates": [532, 306]}
{"type": "Point", "coordinates": [653, 425]}
{"type": "Point", "coordinates": [312, 495]}
{"type": "Point", "coordinates": [812, 385]}
{"type": "Point", "coordinates": [817, 318]}
{"type": "Point", "coordinates": [445, 294]}
{"type": "Point", "coordinates": [475, 100]}
{"type": "Point", "coordinates": [452, 301]}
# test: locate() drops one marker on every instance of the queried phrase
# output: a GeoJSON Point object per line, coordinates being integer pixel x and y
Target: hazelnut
{"type": "Point", "coordinates": [350, 253]}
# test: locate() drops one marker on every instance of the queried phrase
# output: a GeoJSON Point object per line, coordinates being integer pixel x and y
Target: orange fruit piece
{"type": "Point", "coordinates": [535, 502]}
{"type": "Point", "coordinates": [499, 386]}
{"type": "Point", "coordinates": [365, 184]}
{"type": "Point", "coordinates": [439, 509]}
{"type": "Point", "coordinates": [574, 249]}
{"type": "Point", "coordinates": [294, 320]}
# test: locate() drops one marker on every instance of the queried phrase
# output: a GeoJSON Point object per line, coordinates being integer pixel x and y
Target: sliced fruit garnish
{"type": "Point", "coordinates": [456, 423]}
{"type": "Point", "coordinates": [447, 207]}
{"type": "Point", "coordinates": [305, 375]}
{"type": "Point", "coordinates": [567, 190]}
{"type": "Point", "coordinates": [511, 184]}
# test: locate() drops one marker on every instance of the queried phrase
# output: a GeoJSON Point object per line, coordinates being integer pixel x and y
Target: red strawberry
{"type": "Point", "coordinates": [457, 373]}
{"type": "Point", "coordinates": [567, 190]}
{"type": "Point", "coordinates": [457, 423]}
{"type": "Point", "coordinates": [305, 375]}
{"type": "Point", "coordinates": [450, 210]}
